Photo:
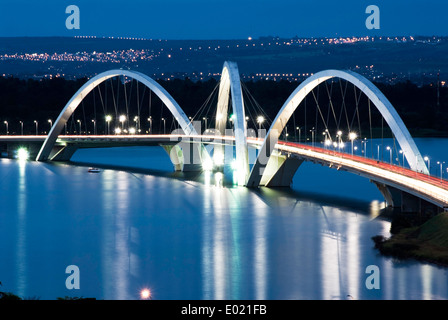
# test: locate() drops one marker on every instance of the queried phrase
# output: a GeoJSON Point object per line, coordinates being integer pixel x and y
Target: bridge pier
{"type": "Point", "coordinates": [406, 202]}
{"type": "Point", "coordinates": [186, 157]}
{"type": "Point", "coordinates": [280, 170]}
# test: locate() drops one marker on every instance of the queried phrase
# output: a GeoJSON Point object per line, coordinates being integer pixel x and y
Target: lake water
{"type": "Point", "coordinates": [194, 237]}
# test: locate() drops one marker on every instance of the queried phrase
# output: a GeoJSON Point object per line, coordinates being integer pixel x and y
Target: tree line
{"type": "Point", "coordinates": [422, 108]}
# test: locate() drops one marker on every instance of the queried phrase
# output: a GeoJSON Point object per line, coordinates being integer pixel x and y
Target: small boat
{"type": "Point", "coordinates": [95, 170]}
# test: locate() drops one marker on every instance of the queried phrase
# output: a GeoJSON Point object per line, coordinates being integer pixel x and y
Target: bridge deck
{"type": "Point", "coordinates": [430, 187]}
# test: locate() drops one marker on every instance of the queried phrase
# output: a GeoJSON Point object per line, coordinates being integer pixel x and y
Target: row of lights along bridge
{"type": "Point", "coordinates": [328, 143]}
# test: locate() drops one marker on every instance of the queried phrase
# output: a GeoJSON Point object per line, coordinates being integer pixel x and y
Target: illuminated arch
{"type": "Point", "coordinates": [230, 84]}
{"type": "Point", "coordinates": [383, 105]}
{"type": "Point", "coordinates": [74, 102]}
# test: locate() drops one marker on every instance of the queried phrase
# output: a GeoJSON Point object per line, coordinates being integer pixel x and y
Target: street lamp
{"type": "Point", "coordinates": [326, 135]}
{"type": "Point", "coordinates": [6, 123]}
{"type": "Point", "coordinates": [300, 133]}
{"type": "Point", "coordinates": [441, 170]}
{"type": "Point", "coordinates": [37, 125]}
{"type": "Point", "coordinates": [401, 152]}
{"type": "Point", "coordinates": [21, 127]}
{"type": "Point", "coordinates": [312, 136]}
{"type": "Point", "coordinates": [136, 118]}
{"type": "Point", "coordinates": [79, 121]}
{"type": "Point", "coordinates": [50, 122]}
{"type": "Point", "coordinates": [122, 119]}
{"type": "Point", "coordinates": [426, 158]}
{"type": "Point", "coordinates": [108, 120]}
{"type": "Point", "coordinates": [390, 152]}
{"type": "Point", "coordinates": [339, 136]}
{"type": "Point", "coordinates": [150, 124]}
{"type": "Point", "coordinates": [94, 126]}
{"type": "Point", "coordinates": [205, 119]}
{"type": "Point", "coordinates": [365, 147]}
{"type": "Point", "coordinates": [352, 136]}
{"type": "Point", "coordinates": [260, 120]}
{"type": "Point", "coordinates": [164, 125]}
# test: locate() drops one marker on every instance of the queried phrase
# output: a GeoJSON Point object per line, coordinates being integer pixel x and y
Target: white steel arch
{"type": "Point", "coordinates": [383, 105]}
{"type": "Point", "coordinates": [74, 102]}
{"type": "Point", "coordinates": [231, 84]}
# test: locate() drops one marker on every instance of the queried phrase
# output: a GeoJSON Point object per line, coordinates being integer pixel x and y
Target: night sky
{"type": "Point", "coordinates": [222, 19]}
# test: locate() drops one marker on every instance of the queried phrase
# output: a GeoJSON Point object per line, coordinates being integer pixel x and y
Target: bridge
{"type": "Point", "coordinates": [412, 189]}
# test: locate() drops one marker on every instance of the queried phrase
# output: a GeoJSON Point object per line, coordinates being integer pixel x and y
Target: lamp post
{"type": "Point", "coordinates": [390, 153]}
{"type": "Point", "coordinates": [50, 122]}
{"type": "Point", "coordinates": [260, 120]}
{"type": "Point", "coordinates": [164, 125]}
{"type": "Point", "coordinates": [352, 136]}
{"type": "Point", "coordinates": [426, 158]}
{"type": "Point", "coordinates": [37, 125]}
{"type": "Point", "coordinates": [365, 147]}
{"type": "Point", "coordinates": [300, 133]}
{"type": "Point", "coordinates": [21, 127]}
{"type": "Point", "coordinates": [6, 123]}
{"type": "Point", "coordinates": [122, 119]}
{"type": "Point", "coordinates": [150, 124]}
{"type": "Point", "coordinates": [205, 119]}
{"type": "Point", "coordinates": [339, 137]}
{"type": "Point", "coordinates": [108, 120]}
{"type": "Point", "coordinates": [79, 121]}
{"type": "Point", "coordinates": [327, 141]}
{"type": "Point", "coordinates": [402, 153]}
{"type": "Point", "coordinates": [312, 136]}
{"type": "Point", "coordinates": [441, 170]}
{"type": "Point", "coordinates": [94, 126]}
{"type": "Point", "coordinates": [136, 120]}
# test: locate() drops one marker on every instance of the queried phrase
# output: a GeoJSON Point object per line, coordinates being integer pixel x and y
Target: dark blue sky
{"type": "Point", "coordinates": [219, 19]}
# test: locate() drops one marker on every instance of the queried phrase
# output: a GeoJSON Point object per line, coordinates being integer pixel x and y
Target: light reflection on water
{"type": "Point", "coordinates": [194, 238]}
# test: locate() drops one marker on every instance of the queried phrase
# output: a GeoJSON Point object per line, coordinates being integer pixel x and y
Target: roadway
{"type": "Point", "coordinates": [430, 188]}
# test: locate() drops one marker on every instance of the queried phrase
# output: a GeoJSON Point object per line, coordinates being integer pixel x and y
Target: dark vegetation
{"type": "Point", "coordinates": [9, 296]}
{"type": "Point", "coordinates": [29, 100]}
{"type": "Point", "coordinates": [413, 239]}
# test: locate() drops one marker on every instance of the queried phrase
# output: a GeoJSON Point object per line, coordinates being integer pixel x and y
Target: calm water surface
{"type": "Point", "coordinates": [197, 236]}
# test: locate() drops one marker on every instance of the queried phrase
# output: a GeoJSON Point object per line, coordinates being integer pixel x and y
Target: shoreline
{"type": "Point", "coordinates": [427, 242]}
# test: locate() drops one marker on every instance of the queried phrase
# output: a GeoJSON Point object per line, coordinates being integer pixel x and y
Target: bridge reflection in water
{"type": "Point", "coordinates": [190, 240]}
